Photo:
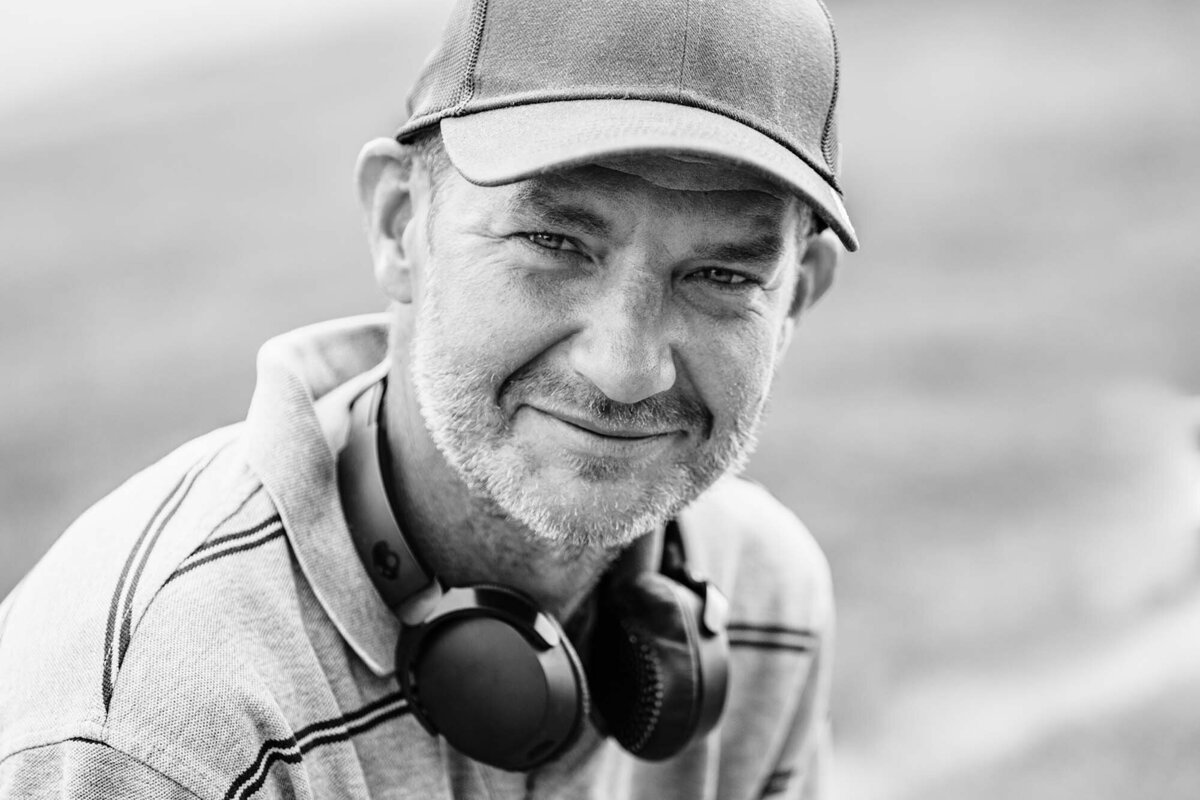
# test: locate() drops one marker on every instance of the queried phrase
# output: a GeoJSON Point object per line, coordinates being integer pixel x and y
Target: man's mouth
{"type": "Point", "coordinates": [606, 428]}
{"type": "Point", "coordinates": [586, 433]}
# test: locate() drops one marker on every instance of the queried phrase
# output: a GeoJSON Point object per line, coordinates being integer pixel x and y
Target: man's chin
{"type": "Point", "coordinates": [593, 533]}
{"type": "Point", "coordinates": [581, 501]}
{"type": "Point", "coordinates": [591, 513]}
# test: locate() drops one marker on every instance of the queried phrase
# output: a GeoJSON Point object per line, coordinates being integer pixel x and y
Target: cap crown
{"type": "Point", "coordinates": [772, 65]}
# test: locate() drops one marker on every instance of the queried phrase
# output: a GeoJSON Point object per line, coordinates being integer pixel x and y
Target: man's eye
{"type": "Point", "coordinates": [550, 241]}
{"type": "Point", "coordinates": [726, 277]}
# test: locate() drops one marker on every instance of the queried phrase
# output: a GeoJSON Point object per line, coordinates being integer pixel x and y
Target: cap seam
{"type": "Point", "coordinates": [466, 89]}
{"type": "Point", "coordinates": [687, 25]}
{"type": "Point", "coordinates": [827, 146]}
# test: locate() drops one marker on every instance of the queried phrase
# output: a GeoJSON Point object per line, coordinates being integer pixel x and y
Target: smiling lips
{"type": "Point", "coordinates": [603, 429]}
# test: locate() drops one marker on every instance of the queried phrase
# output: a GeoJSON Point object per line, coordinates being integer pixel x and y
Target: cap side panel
{"type": "Point", "coordinates": [615, 44]}
{"type": "Point", "coordinates": [775, 64]}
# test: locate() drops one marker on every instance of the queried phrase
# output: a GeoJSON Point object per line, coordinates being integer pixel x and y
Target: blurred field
{"type": "Point", "coordinates": [982, 424]}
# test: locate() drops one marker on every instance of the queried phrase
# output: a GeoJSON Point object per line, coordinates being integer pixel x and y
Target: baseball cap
{"type": "Point", "coordinates": [522, 87]}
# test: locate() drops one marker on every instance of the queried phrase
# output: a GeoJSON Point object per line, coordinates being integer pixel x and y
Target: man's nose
{"type": "Point", "coordinates": [624, 347]}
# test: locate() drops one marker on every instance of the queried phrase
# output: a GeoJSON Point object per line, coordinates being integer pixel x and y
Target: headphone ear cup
{"type": "Point", "coordinates": [486, 680]}
{"type": "Point", "coordinates": [658, 676]}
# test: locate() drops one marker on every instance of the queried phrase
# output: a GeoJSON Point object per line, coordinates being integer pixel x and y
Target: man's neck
{"type": "Point", "coordinates": [465, 539]}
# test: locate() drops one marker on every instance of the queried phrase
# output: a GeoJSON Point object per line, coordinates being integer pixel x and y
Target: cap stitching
{"type": "Point", "coordinates": [827, 144]}
{"type": "Point", "coordinates": [466, 89]}
{"type": "Point", "coordinates": [687, 25]}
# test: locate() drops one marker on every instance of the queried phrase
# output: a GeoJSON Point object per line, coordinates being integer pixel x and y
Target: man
{"type": "Point", "coordinates": [481, 546]}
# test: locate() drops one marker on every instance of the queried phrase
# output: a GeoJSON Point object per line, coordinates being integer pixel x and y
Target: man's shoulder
{"type": "Point", "coordinates": [738, 518]}
{"type": "Point", "coordinates": [760, 553]}
{"type": "Point", "coordinates": [138, 578]}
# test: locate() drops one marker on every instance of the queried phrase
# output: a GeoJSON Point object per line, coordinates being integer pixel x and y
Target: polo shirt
{"type": "Point", "coordinates": [208, 631]}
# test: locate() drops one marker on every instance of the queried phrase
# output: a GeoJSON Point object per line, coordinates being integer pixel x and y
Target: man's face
{"type": "Point", "coordinates": [593, 348]}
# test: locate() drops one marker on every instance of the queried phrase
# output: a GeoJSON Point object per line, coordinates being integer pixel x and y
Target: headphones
{"type": "Point", "coordinates": [499, 679]}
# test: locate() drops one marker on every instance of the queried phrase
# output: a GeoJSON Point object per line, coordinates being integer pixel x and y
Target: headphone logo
{"type": "Point", "coordinates": [385, 560]}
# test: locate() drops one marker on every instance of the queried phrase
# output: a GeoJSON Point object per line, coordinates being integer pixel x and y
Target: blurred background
{"type": "Point", "coordinates": [987, 424]}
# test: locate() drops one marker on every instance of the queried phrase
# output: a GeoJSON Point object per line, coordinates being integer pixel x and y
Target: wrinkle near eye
{"type": "Point", "coordinates": [535, 200]}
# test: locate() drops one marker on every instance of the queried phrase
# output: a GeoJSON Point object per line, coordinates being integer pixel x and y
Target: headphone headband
{"type": "Point", "coordinates": [392, 565]}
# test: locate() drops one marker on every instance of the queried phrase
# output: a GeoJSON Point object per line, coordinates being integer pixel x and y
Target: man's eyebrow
{"type": "Point", "coordinates": [537, 199]}
{"type": "Point", "coordinates": [765, 248]}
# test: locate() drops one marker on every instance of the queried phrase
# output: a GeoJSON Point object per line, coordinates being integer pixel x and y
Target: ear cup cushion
{"type": "Point", "coordinates": [495, 697]}
{"type": "Point", "coordinates": [648, 670]}
{"type": "Point", "coordinates": [584, 689]}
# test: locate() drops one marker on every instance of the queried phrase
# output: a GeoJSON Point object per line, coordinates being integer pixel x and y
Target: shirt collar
{"type": "Point", "coordinates": [296, 424]}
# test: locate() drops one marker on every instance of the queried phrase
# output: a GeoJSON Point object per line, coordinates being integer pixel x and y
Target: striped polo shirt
{"type": "Point", "coordinates": [208, 631]}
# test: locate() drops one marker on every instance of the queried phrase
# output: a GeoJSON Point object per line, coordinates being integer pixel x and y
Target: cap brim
{"type": "Point", "coordinates": [502, 145]}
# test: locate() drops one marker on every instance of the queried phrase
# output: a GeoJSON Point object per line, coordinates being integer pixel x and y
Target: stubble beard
{"type": "Point", "coordinates": [462, 411]}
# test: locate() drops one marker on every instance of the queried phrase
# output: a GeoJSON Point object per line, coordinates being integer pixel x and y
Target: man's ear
{"type": "Point", "coordinates": [819, 264]}
{"type": "Point", "coordinates": [817, 267]}
{"type": "Point", "coordinates": [385, 175]}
